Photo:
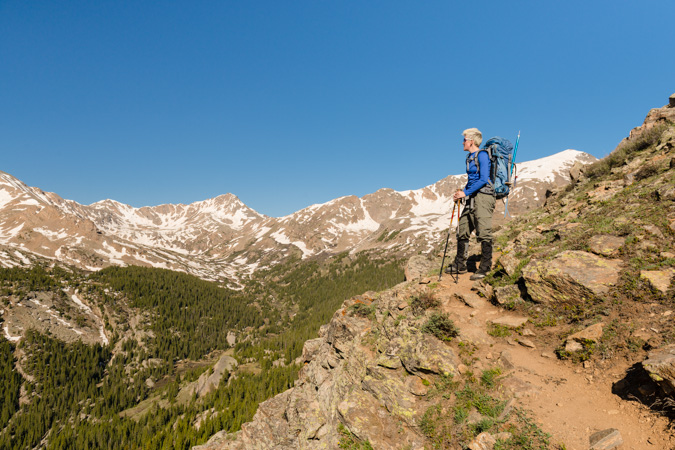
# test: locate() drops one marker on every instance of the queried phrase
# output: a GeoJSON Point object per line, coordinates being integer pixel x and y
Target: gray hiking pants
{"type": "Point", "coordinates": [477, 215]}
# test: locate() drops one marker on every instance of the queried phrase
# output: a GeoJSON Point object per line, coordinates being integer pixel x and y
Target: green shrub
{"type": "Point", "coordinates": [422, 303]}
{"type": "Point", "coordinates": [441, 326]}
{"type": "Point", "coordinates": [496, 330]}
{"type": "Point", "coordinates": [362, 310]}
{"type": "Point", "coordinates": [624, 150]}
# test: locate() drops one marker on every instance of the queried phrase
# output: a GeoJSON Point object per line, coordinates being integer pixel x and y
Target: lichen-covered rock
{"type": "Point", "coordinates": [423, 353]}
{"type": "Point", "coordinates": [343, 329]}
{"type": "Point", "coordinates": [659, 279]}
{"type": "Point", "coordinates": [310, 349]}
{"type": "Point", "coordinates": [572, 277]}
{"type": "Point", "coordinates": [509, 262]}
{"type": "Point", "coordinates": [660, 364]}
{"type": "Point", "coordinates": [605, 245]}
{"type": "Point", "coordinates": [390, 389]}
{"type": "Point", "coordinates": [364, 417]}
{"type": "Point", "coordinates": [507, 294]}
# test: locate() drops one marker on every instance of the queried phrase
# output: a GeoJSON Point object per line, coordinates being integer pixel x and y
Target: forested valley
{"type": "Point", "coordinates": [166, 329]}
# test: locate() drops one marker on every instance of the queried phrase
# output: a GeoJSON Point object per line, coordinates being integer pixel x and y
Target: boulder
{"type": "Point", "coordinates": [310, 349]}
{"type": "Point", "coordinates": [572, 346]}
{"type": "Point", "coordinates": [487, 441]}
{"type": "Point", "coordinates": [572, 277]}
{"type": "Point", "coordinates": [343, 329]}
{"type": "Point", "coordinates": [507, 294]}
{"type": "Point", "coordinates": [576, 171]}
{"type": "Point", "coordinates": [592, 333]}
{"type": "Point", "coordinates": [605, 245]}
{"type": "Point", "coordinates": [606, 439]}
{"type": "Point", "coordinates": [659, 279]}
{"type": "Point", "coordinates": [660, 364]}
{"type": "Point", "coordinates": [509, 262]}
{"type": "Point", "coordinates": [418, 266]}
{"type": "Point", "coordinates": [423, 353]}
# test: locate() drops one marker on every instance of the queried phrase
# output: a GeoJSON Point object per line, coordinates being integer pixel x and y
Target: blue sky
{"type": "Point", "coordinates": [290, 103]}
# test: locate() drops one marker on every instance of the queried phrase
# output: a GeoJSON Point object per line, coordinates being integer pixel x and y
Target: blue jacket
{"type": "Point", "coordinates": [477, 180]}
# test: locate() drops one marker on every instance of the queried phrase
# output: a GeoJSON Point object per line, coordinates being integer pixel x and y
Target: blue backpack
{"type": "Point", "coordinates": [500, 151]}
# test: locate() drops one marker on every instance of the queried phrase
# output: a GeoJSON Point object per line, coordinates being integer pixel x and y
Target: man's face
{"type": "Point", "coordinates": [467, 144]}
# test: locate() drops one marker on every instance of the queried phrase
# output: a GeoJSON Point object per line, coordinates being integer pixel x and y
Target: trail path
{"type": "Point", "coordinates": [570, 401]}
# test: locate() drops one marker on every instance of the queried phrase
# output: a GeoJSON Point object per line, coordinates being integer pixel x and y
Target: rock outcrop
{"type": "Point", "coordinates": [571, 277]}
{"type": "Point", "coordinates": [365, 372]}
{"type": "Point", "coordinates": [208, 381]}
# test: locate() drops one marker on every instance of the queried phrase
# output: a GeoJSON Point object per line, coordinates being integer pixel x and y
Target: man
{"type": "Point", "coordinates": [479, 199]}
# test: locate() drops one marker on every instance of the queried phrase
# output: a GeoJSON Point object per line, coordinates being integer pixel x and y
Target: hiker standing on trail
{"type": "Point", "coordinates": [479, 200]}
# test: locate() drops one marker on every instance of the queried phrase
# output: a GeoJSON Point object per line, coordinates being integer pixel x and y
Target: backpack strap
{"type": "Point", "coordinates": [489, 188]}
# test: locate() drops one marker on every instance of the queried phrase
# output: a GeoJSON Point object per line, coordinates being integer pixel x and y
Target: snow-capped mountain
{"type": "Point", "coordinates": [223, 239]}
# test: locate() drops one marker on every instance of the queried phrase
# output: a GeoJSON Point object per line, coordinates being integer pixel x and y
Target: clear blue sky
{"type": "Point", "coordinates": [290, 103]}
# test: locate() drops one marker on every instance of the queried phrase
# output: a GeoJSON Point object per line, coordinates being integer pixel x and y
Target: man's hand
{"type": "Point", "coordinates": [459, 194]}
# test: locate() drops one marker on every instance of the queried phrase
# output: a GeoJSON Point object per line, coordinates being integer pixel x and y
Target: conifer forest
{"type": "Point", "coordinates": [165, 329]}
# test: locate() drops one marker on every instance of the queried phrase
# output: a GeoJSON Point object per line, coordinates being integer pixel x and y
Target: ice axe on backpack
{"type": "Point", "coordinates": [511, 177]}
{"type": "Point", "coordinates": [452, 216]}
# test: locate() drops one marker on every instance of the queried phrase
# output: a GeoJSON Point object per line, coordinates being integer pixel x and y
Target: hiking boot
{"type": "Point", "coordinates": [459, 266]}
{"type": "Point", "coordinates": [485, 261]}
{"type": "Point", "coordinates": [455, 268]}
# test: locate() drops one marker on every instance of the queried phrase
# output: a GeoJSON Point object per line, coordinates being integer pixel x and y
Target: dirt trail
{"type": "Point", "coordinates": [570, 401]}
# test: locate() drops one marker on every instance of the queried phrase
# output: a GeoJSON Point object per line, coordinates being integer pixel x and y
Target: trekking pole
{"type": "Point", "coordinates": [452, 216]}
{"type": "Point", "coordinates": [459, 211]}
{"type": "Point", "coordinates": [456, 277]}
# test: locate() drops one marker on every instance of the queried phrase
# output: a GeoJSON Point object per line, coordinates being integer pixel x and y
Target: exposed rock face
{"type": "Point", "coordinates": [363, 373]}
{"type": "Point", "coordinates": [208, 381]}
{"type": "Point", "coordinates": [571, 277]}
{"type": "Point", "coordinates": [654, 117]}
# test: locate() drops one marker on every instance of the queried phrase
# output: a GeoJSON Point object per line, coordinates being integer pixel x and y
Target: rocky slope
{"type": "Point", "coordinates": [574, 325]}
{"type": "Point", "coordinates": [223, 239]}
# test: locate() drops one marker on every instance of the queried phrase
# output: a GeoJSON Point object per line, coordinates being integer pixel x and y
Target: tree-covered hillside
{"type": "Point", "coordinates": [167, 328]}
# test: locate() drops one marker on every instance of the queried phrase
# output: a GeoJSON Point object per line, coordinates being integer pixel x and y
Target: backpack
{"type": "Point", "coordinates": [500, 152]}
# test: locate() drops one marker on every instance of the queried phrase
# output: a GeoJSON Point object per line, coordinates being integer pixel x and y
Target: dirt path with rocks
{"type": "Point", "coordinates": [570, 401]}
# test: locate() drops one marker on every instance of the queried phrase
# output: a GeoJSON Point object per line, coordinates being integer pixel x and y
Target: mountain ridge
{"type": "Point", "coordinates": [223, 239]}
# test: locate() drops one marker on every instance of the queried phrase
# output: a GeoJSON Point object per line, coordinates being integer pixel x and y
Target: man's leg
{"type": "Point", "coordinates": [485, 206]}
{"type": "Point", "coordinates": [464, 229]}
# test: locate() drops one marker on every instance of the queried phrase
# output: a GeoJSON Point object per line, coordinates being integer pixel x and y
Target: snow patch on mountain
{"type": "Point", "coordinates": [545, 169]}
